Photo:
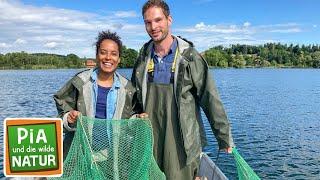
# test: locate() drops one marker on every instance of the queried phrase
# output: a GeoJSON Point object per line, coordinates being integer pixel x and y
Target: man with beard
{"type": "Point", "coordinates": [172, 82]}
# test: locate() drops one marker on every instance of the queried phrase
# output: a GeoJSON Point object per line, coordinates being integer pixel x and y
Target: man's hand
{"type": "Point", "coordinates": [72, 117]}
{"type": "Point", "coordinates": [200, 178]}
{"type": "Point", "coordinates": [228, 150]}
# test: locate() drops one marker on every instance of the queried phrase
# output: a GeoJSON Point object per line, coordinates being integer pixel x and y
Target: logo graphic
{"type": "Point", "coordinates": [33, 147]}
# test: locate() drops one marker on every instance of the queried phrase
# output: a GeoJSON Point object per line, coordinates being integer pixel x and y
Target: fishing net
{"type": "Point", "coordinates": [245, 172]}
{"type": "Point", "coordinates": [112, 149]}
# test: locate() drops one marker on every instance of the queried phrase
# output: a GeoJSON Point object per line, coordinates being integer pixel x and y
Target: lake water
{"type": "Point", "coordinates": [275, 115]}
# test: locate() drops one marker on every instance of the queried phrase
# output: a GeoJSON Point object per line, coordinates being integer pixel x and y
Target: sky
{"type": "Point", "coordinates": [69, 26]}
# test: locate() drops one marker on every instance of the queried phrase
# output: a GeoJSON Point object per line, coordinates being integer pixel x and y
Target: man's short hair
{"type": "Point", "coordinates": [108, 35]}
{"type": "Point", "coordinates": [156, 3]}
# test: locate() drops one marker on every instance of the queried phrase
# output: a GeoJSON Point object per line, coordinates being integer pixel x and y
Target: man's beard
{"type": "Point", "coordinates": [164, 35]}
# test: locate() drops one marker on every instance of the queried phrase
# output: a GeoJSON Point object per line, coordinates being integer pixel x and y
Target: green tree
{"type": "Point", "coordinates": [249, 60]}
{"type": "Point", "coordinates": [72, 60]}
{"type": "Point", "coordinates": [128, 57]}
{"type": "Point", "coordinates": [238, 61]}
{"type": "Point", "coordinates": [316, 59]}
{"type": "Point", "coordinates": [274, 63]}
{"type": "Point", "coordinates": [2, 61]}
{"type": "Point", "coordinates": [265, 63]}
{"type": "Point", "coordinates": [212, 56]}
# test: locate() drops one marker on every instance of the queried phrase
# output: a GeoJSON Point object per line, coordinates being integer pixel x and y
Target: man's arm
{"type": "Point", "coordinates": [138, 108]}
{"type": "Point", "coordinates": [136, 99]}
{"type": "Point", "coordinates": [209, 100]}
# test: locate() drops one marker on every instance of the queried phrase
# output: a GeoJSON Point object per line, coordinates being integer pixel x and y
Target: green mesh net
{"type": "Point", "coordinates": [245, 172]}
{"type": "Point", "coordinates": [111, 149]}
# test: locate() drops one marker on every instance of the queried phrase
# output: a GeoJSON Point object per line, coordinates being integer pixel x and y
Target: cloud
{"type": "Point", "coordinates": [125, 14]}
{"type": "Point", "coordinates": [292, 30]}
{"type": "Point", "coordinates": [201, 25]}
{"type": "Point", "coordinates": [205, 41]}
{"type": "Point", "coordinates": [65, 31]}
{"type": "Point", "coordinates": [207, 35]}
{"type": "Point", "coordinates": [246, 28]}
{"type": "Point", "coordinates": [62, 31]}
{"type": "Point", "coordinates": [246, 24]}
{"type": "Point", "coordinates": [46, 16]}
{"type": "Point", "coordinates": [4, 45]}
{"type": "Point", "coordinates": [280, 28]}
{"type": "Point", "coordinates": [51, 45]}
{"type": "Point", "coordinates": [20, 41]}
{"type": "Point", "coordinates": [225, 29]}
{"type": "Point", "coordinates": [315, 26]}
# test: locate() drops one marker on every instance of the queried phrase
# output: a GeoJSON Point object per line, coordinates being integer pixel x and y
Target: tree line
{"type": "Point", "coordinates": [23, 60]}
{"type": "Point", "coordinates": [267, 55]}
{"type": "Point", "coordinates": [237, 56]}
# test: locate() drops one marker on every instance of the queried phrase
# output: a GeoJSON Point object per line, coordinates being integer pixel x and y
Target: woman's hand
{"type": "Point", "coordinates": [143, 115]}
{"type": "Point", "coordinates": [72, 117]}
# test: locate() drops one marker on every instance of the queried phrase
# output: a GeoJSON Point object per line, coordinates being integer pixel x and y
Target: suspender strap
{"type": "Point", "coordinates": [150, 67]}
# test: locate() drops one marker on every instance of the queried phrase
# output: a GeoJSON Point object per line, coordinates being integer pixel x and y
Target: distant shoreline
{"type": "Point", "coordinates": [270, 55]}
{"type": "Point", "coordinates": [210, 67]}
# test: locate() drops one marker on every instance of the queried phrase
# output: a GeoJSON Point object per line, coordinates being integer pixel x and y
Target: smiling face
{"type": "Point", "coordinates": [108, 56]}
{"type": "Point", "coordinates": [157, 24]}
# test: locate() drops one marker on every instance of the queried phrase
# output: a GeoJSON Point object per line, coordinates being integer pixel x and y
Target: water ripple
{"type": "Point", "coordinates": [274, 115]}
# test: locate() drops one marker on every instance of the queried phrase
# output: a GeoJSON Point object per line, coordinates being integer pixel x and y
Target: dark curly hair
{"type": "Point", "coordinates": [104, 35]}
{"type": "Point", "coordinates": [156, 3]}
